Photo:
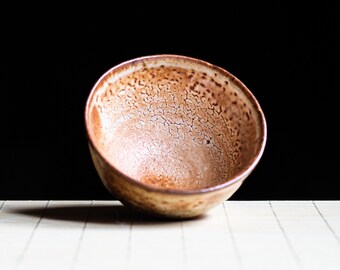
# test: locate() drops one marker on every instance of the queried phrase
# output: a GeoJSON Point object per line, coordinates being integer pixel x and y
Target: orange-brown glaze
{"type": "Point", "coordinates": [172, 123]}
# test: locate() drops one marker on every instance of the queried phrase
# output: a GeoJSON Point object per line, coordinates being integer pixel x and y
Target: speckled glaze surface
{"type": "Point", "coordinates": [173, 136]}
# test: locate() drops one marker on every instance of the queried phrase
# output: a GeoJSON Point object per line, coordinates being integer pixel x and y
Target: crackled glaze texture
{"type": "Point", "coordinates": [173, 123]}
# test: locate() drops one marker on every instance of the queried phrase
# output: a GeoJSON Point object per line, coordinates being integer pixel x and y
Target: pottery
{"type": "Point", "coordinates": [173, 136]}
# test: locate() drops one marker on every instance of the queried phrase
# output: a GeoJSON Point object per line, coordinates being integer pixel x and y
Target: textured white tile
{"type": "Point", "coordinates": [308, 235]}
{"type": "Point", "coordinates": [208, 242]}
{"type": "Point", "coordinates": [257, 236]}
{"type": "Point", "coordinates": [330, 213]}
{"type": "Point", "coordinates": [106, 235]}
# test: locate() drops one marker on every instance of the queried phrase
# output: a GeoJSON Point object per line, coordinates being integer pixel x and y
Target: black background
{"type": "Point", "coordinates": [287, 55]}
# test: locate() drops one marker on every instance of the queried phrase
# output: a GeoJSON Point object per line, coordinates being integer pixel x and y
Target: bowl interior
{"type": "Point", "coordinates": [174, 122]}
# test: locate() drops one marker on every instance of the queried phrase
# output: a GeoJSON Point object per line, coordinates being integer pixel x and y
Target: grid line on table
{"type": "Point", "coordinates": [327, 223]}
{"type": "Point", "coordinates": [2, 205]}
{"type": "Point", "coordinates": [104, 243]}
{"type": "Point", "coordinates": [15, 229]}
{"type": "Point", "coordinates": [28, 242]}
{"type": "Point", "coordinates": [54, 243]}
{"type": "Point", "coordinates": [241, 232]}
{"type": "Point", "coordinates": [259, 239]}
{"type": "Point", "coordinates": [183, 246]}
{"type": "Point", "coordinates": [316, 246]}
{"type": "Point", "coordinates": [208, 242]}
{"type": "Point", "coordinates": [129, 247]}
{"type": "Point", "coordinates": [78, 248]}
{"type": "Point", "coordinates": [289, 243]}
{"type": "Point", "coordinates": [236, 250]}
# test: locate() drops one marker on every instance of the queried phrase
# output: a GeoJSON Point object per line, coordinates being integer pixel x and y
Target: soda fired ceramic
{"type": "Point", "coordinates": [173, 136]}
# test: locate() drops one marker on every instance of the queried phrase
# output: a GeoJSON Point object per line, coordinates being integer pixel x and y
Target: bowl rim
{"type": "Point", "coordinates": [241, 175]}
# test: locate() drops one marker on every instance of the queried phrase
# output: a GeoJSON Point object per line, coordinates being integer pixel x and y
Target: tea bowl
{"type": "Point", "coordinates": [173, 136]}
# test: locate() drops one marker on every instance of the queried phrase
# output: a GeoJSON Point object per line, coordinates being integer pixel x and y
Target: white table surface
{"type": "Point", "coordinates": [106, 235]}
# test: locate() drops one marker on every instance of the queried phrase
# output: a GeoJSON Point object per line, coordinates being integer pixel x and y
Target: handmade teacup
{"type": "Point", "coordinates": [173, 136]}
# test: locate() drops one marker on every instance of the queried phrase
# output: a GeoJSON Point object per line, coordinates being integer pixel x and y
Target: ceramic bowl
{"type": "Point", "coordinates": [173, 136]}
